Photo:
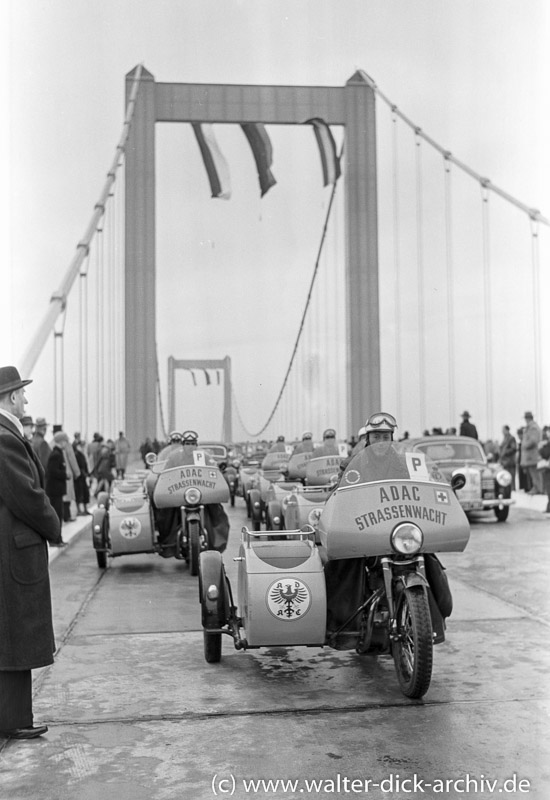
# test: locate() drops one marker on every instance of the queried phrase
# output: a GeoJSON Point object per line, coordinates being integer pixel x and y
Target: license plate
{"type": "Point", "coordinates": [472, 505]}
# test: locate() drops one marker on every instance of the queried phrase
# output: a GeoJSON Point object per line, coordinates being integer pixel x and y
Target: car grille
{"type": "Point", "coordinates": [488, 487]}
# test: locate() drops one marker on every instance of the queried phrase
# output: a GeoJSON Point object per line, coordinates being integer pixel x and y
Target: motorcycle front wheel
{"type": "Point", "coordinates": [194, 543]}
{"type": "Point", "coordinates": [413, 649]}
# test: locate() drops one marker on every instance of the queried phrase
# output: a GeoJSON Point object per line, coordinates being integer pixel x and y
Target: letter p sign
{"type": "Point", "coordinates": [416, 464]}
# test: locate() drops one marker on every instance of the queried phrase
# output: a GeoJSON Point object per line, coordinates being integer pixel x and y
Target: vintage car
{"type": "Point", "coordinates": [488, 485]}
{"type": "Point", "coordinates": [218, 451]}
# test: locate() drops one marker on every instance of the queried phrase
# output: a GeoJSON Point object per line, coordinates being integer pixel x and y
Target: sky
{"type": "Point", "coordinates": [232, 276]}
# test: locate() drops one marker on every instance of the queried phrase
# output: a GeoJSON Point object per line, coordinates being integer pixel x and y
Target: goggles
{"type": "Point", "coordinates": [189, 437]}
{"type": "Point", "coordinates": [381, 420]}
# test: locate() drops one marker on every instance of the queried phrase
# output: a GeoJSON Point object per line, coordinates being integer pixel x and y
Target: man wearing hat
{"type": "Point", "coordinates": [41, 446]}
{"type": "Point", "coordinates": [27, 523]}
{"type": "Point", "coordinates": [28, 427]}
{"type": "Point", "coordinates": [306, 445]}
{"type": "Point", "coordinates": [532, 435]}
{"type": "Point", "coordinates": [329, 446]}
{"type": "Point", "coordinates": [466, 427]}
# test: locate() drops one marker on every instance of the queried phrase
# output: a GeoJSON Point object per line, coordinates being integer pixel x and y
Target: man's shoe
{"type": "Point", "coordinates": [26, 733]}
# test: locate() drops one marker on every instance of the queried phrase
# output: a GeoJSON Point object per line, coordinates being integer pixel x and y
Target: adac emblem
{"type": "Point", "coordinates": [130, 527]}
{"type": "Point", "coordinates": [288, 598]}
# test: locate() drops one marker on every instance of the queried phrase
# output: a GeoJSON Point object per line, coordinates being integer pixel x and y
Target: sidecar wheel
{"type": "Point", "coordinates": [194, 544]}
{"type": "Point", "coordinates": [413, 651]}
{"type": "Point", "coordinates": [212, 647]}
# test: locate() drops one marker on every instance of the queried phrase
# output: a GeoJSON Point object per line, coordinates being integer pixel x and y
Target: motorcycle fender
{"type": "Point", "coordinates": [413, 579]}
{"type": "Point", "coordinates": [214, 611]}
{"type": "Point", "coordinates": [98, 517]}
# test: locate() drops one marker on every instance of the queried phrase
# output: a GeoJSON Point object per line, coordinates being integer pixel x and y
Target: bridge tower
{"type": "Point", "coordinates": [352, 106]}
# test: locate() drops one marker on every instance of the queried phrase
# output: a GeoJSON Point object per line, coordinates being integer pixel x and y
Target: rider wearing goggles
{"type": "Point", "coordinates": [380, 428]}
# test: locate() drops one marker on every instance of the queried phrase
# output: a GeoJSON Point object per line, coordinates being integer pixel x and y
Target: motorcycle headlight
{"type": "Point", "coordinates": [313, 516]}
{"type": "Point", "coordinates": [192, 496]}
{"type": "Point", "coordinates": [406, 538]}
{"type": "Point", "coordinates": [503, 477]}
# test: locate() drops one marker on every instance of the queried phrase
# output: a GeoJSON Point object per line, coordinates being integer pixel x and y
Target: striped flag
{"type": "Point", "coordinates": [327, 148]}
{"type": "Point", "coordinates": [262, 151]}
{"type": "Point", "coordinates": [214, 161]}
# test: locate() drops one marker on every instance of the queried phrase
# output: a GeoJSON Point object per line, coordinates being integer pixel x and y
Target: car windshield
{"type": "Point", "coordinates": [215, 450]}
{"type": "Point", "coordinates": [452, 451]}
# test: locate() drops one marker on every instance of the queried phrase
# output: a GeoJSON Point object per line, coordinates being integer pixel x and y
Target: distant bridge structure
{"type": "Point", "coordinates": [352, 106]}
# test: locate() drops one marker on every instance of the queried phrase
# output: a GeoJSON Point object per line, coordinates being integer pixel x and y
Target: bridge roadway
{"type": "Point", "coordinates": [135, 713]}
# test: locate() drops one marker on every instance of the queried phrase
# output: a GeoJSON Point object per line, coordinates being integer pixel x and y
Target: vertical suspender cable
{"type": "Point", "coordinates": [420, 278]}
{"type": "Point", "coordinates": [450, 285]}
{"type": "Point", "coordinates": [83, 348]}
{"type": "Point", "coordinates": [396, 261]}
{"type": "Point", "coordinates": [487, 307]}
{"type": "Point", "coordinates": [535, 263]}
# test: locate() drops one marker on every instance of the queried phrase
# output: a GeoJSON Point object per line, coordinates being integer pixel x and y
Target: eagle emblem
{"type": "Point", "coordinates": [288, 598]}
{"type": "Point", "coordinates": [130, 527]}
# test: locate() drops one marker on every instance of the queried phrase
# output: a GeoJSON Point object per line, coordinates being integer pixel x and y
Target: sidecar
{"type": "Point", "coordinates": [272, 469]}
{"type": "Point", "coordinates": [123, 521]}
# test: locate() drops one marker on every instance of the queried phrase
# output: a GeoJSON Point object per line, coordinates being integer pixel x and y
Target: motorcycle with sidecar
{"type": "Point", "coordinates": [172, 509]}
{"type": "Point", "coordinates": [373, 584]}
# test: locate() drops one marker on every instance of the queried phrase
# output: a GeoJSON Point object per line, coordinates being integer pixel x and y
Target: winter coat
{"type": "Point", "coordinates": [122, 448]}
{"type": "Point", "coordinates": [467, 428]}
{"type": "Point", "coordinates": [529, 445]}
{"type": "Point", "coordinates": [56, 473]}
{"type": "Point", "coordinates": [508, 451]}
{"type": "Point", "coordinates": [27, 523]}
{"type": "Point", "coordinates": [41, 448]}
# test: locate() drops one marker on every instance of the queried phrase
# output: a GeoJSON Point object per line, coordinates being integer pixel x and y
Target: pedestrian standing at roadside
{"type": "Point", "coordinates": [56, 478]}
{"type": "Point", "coordinates": [28, 428]}
{"type": "Point", "coordinates": [27, 523]}
{"type": "Point", "coordinates": [467, 428]}
{"type": "Point", "coordinates": [41, 446]}
{"type": "Point", "coordinates": [530, 452]}
{"type": "Point", "coordinates": [122, 450]}
{"type": "Point", "coordinates": [544, 452]}
{"type": "Point", "coordinates": [508, 451]}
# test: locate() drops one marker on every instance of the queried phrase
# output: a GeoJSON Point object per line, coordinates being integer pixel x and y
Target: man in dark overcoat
{"type": "Point", "coordinates": [27, 523]}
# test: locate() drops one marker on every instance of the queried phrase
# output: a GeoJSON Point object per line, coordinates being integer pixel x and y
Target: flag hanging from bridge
{"type": "Point", "coordinates": [262, 151]}
{"type": "Point", "coordinates": [327, 149]}
{"type": "Point", "coordinates": [214, 161]}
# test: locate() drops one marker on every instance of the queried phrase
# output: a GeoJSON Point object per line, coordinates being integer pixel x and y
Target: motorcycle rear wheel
{"type": "Point", "coordinates": [194, 543]}
{"type": "Point", "coordinates": [413, 650]}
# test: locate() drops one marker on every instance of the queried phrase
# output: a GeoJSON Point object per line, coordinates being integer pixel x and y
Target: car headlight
{"type": "Point", "coordinates": [314, 516]}
{"type": "Point", "coordinates": [406, 538]}
{"type": "Point", "coordinates": [503, 477]}
{"type": "Point", "coordinates": [192, 496]}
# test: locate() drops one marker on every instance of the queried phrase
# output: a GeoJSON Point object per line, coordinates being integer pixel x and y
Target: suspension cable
{"type": "Point", "coordinates": [450, 283]}
{"type": "Point", "coordinates": [396, 261]}
{"type": "Point", "coordinates": [304, 314]}
{"type": "Point", "coordinates": [535, 263]}
{"type": "Point", "coordinates": [420, 279]}
{"type": "Point", "coordinates": [533, 213]}
{"type": "Point", "coordinates": [59, 298]}
{"type": "Point", "coordinates": [487, 304]}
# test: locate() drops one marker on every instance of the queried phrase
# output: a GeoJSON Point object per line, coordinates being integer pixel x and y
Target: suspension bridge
{"type": "Point", "coordinates": [419, 279]}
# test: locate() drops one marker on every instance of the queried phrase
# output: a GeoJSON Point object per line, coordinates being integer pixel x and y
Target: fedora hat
{"type": "Point", "coordinates": [41, 422]}
{"type": "Point", "coordinates": [10, 380]}
{"type": "Point", "coordinates": [26, 421]}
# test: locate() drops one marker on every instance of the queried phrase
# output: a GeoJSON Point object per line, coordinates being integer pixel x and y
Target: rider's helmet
{"type": "Point", "coordinates": [361, 433]}
{"type": "Point", "coordinates": [280, 438]}
{"type": "Point", "coordinates": [190, 437]}
{"type": "Point", "coordinates": [381, 422]}
{"type": "Point", "coordinates": [307, 435]}
{"type": "Point", "coordinates": [175, 438]}
{"type": "Point", "coordinates": [330, 433]}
